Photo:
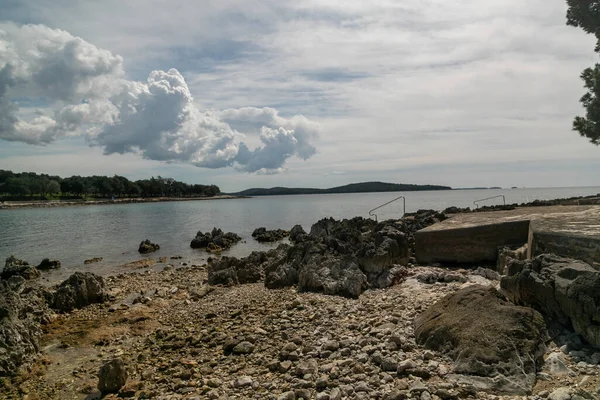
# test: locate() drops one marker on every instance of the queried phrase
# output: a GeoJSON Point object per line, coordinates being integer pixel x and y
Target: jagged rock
{"type": "Point", "coordinates": [561, 288]}
{"type": "Point", "coordinates": [112, 376]}
{"type": "Point", "coordinates": [47, 264]}
{"type": "Point", "coordinates": [265, 236]}
{"type": "Point", "coordinates": [234, 271]}
{"type": "Point", "coordinates": [217, 238]}
{"type": "Point", "coordinates": [332, 275]}
{"type": "Point", "coordinates": [251, 269]}
{"type": "Point", "coordinates": [22, 310]}
{"type": "Point", "coordinates": [492, 342]}
{"type": "Point", "coordinates": [337, 257]}
{"type": "Point", "coordinates": [79, 290]}
{"type": "Point", "coordinates": [148, 247]}
{"type": "Point", "coordinates": [508, 257]}
{"type": "Point", "coordinates": [13, 266]}
{"type": "Point", "coordinates": [297, 234]}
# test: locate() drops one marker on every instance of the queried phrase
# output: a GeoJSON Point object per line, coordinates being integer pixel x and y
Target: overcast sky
{"type": "Point", "coordinates": [296, 93]}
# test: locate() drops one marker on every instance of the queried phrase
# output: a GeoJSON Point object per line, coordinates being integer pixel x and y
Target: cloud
{"type": "Point", "coordinates": [84, 92]}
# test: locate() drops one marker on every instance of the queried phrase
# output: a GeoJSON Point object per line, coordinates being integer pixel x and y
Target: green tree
{"type": "Point", "coordinates": [53, 187]}
{"type": "Point", "coordinates": [17, 186]}
{"type": "Point", "coordinates": [585, 14]}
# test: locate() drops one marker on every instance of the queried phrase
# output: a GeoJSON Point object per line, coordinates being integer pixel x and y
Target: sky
{"type": "Point", "coordinates": [306, 93]}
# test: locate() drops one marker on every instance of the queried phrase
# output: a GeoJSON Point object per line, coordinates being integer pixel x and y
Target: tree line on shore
{"type": "Point", "coordinates": [29, 185]}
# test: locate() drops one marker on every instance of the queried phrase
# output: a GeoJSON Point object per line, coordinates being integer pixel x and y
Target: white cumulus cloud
{"type": "Point", "coordinates": [81, 90]}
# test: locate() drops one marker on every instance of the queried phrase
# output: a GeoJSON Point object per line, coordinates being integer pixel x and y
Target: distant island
{"type": "Point", "coordinates": [364, 187]}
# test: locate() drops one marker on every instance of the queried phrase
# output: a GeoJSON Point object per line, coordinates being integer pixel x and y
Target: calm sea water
{"type": "Point", "coordinates": [74, 234]}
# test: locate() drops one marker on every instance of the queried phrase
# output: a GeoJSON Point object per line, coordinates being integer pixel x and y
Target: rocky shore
{"type": "Point", "coordinates": [343, 312]}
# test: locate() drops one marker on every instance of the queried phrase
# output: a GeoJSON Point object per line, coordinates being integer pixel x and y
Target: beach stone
{"type": "Point", "coordinates": [563, 393]}
{"type": "Point", "coordinates": [243, 348]}
{"type": "Point", "coordinates": [112, 376]}
{"type": "Point", "coordinates": [563, 289]}
{"type": "Point", "coordinates": [505, 359]}
{"type": "Point", "coordinates": [556, 364]}
{"type": "Point", "coordinates": [79, 290]}
{"type": "Point", "coordinates": [242, 381]}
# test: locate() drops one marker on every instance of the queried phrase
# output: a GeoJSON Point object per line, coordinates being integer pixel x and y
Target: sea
{"type": "Point", "coordinates": [114, 231]}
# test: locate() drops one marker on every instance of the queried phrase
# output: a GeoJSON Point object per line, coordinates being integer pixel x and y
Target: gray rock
{"type": "Point", "coordinates": [563, 289]}
{"type": "Point", "coordinates": [79, 290]}
{"type": "Point", "coordinates": [112, 376]}
{"type": "Point", "coordinates": [563, 393]}
{"type": "Point", "coordinates": [331, 275]}
{"type": "Point", "coordinates": [556, 364]}
{"type": "Point", "coordinates": [234, 271]}
{"type": "Point", "coordinates": [505, 358]}
{"type": "Point", "coordinates": [242, 381]}
{"type": "Point", "coordinates": [243, 348]}
{"type": "Point", "coordinates": [264, 235]}
{"type": "Point", "coordinates": [287, 396]}
{"type": "Point", "coordinates": [15, 267]}
{"type": "Point", "coordinates": [216, 239]}
{"type": "Point", "coordinates": [22, 309]}
{"type": "Point", "coordinates": [297, 234]}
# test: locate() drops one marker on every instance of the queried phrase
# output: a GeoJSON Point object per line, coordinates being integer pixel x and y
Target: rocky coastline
{"type": "Point", "coordinates": [341, 312]}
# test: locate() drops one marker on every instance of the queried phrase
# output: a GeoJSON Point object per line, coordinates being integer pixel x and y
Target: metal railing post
{"type": "Point", "coordinates": [389, 202]}
{"type": "Point", "coordinates": [490, 198]}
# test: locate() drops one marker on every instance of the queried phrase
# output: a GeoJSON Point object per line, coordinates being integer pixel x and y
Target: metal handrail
{"type": "Point", "coordinates": [490, 198]}
{"type": "Point", "coordinates": [389, 202]}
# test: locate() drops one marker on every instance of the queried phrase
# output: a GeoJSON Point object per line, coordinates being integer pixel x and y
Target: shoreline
{"type": "Point", "coordinates": [223, 330]}
{"type": "Point", "coordinates": [10, 205]}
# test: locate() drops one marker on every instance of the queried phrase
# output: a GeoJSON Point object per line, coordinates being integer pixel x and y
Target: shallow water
{"type": "Point", "coordinates": [114, 231]}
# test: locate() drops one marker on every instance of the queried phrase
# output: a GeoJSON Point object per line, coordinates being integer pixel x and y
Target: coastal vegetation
{"type": "Point", "coordinates": [32, 186]}
{"type": "Point", "coordinates": [364, 187]}
{"type": "Point", "coordinates": [585, 14]}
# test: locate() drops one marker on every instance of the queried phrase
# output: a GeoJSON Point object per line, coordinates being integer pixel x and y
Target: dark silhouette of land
{"type": "Point", "coordinates": [364, 187]}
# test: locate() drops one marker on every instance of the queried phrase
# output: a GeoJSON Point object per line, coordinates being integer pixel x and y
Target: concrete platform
{"type": "Point", "coordinates": [572, 231]}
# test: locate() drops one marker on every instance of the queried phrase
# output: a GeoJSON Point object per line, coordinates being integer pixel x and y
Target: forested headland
{"type": "Point", "coordinates": [32, 186]}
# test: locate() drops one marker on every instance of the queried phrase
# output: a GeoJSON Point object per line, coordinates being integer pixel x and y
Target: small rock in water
{"type": "Point", "coordinates": [148, 247]}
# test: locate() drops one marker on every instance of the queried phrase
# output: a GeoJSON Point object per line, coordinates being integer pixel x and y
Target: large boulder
{"type": "Point", "coordinates": [15, 267]}
{"type": "Point", "coordinates": [148, 247]}
{"type": "Point", "coordinates": [494, 344]}
{"type": "Point", "coordinates": [264, 235]}
{"type": "Point", "coordinates": [563, 289]}
{"type": "Point", "coordinates": [216, 239]}
{"type": "Point", "coordinates": [22, 310]}
{"type": "Point", "coordinates": [235, 271]}
{"type": "Point", "coordinates": [251, 269]}
{"type": "Point", "coordinates": [79, 290]}
{"type": "Point", "coordinates": [332, 275]}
